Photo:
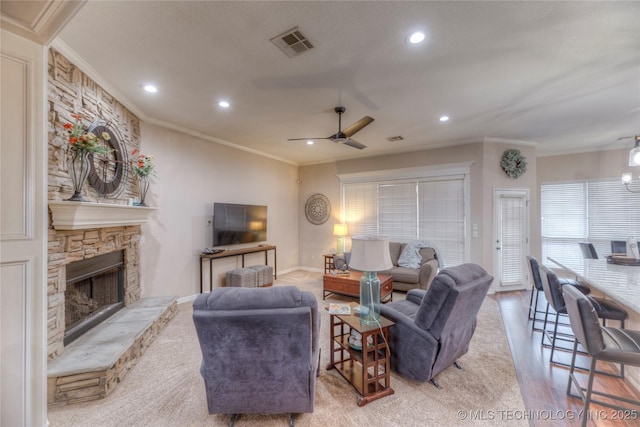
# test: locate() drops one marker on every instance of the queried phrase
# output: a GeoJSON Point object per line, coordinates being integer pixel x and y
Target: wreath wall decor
{"type": "Point", "coordinates": [513, 163]}
{"type": "Point", "coordinates": [317, 209]}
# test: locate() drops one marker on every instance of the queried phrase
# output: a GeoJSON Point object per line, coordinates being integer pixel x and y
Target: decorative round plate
{"type": "Point", "coordinates": [317, 209]}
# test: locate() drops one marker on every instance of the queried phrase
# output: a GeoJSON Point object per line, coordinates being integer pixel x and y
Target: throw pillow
{"type": "Point", "coordinates": [410, 256]}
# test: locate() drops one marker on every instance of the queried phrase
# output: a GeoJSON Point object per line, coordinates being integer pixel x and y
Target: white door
{"type": "Point", "coordinates": [23, 233]}
{"type": "Point", "coordinates": [511, 238]}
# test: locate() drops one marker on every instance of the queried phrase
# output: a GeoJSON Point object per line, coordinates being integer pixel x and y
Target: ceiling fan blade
{"type": "Point", "coordinates": [305, 139]}
{"type": "Point", "coordinates": [357, 126]}
{"type": "Point", "coordinates": [355, 144]}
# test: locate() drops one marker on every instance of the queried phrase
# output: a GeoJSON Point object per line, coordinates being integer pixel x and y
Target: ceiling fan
{"type": "Point", "coordinates": [344, 136]}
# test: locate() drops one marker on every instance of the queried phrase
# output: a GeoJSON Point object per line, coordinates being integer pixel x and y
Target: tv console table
{"type": "Point", "coordinates": [234, 253]}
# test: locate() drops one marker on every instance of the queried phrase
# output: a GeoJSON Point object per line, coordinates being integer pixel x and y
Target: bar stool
{"type": "Point", "coordinates": [537, 288]}
{"type": "Point", "coordinates": [602, 343]}
{"type": "Point", "coordinates": [553, 292]}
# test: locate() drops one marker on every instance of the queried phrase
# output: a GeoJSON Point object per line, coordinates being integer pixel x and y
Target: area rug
{"type": "Point", "coordinates": [165, 387]}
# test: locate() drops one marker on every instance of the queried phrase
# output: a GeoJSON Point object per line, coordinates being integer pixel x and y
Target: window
{"type": "Point", "coordinates": [593, 211]}
{"type": "Point", "coordinates": [430, 208]}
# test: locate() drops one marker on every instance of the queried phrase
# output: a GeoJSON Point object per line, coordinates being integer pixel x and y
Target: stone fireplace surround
{"type": "Point", "coordinates": [67, 246]}
{"type": "Point", "coordinates": [83, 230]}
{"type": "Point", "coordinates": [81, 373]}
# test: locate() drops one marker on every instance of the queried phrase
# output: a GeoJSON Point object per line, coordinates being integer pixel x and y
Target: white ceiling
{"type": "Point", "coordinates": [563, 75]}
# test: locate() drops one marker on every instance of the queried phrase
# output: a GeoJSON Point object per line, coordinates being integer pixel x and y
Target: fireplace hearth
{"type": "Point", "coordinates": [94, 292]}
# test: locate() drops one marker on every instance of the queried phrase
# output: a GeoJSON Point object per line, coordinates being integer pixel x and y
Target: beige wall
{"type": "Point", "coordinates": [192, 174]}
{"type": "Point", "coordinates": [316, 240]}
{"type": "Point", "coordinates": [486, 175]}
{"type": "Point", "coordinates": [599, 164]}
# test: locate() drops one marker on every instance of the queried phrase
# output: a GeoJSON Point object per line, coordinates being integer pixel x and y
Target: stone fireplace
{"type": "Point", "coordinates": [80, 248]}
{"type": "Point", "coordinates": [86, 240]}
{"type": "Point", "coordinates": [93, 284]}
{"type": "Point", "coordinates": [93, 265]}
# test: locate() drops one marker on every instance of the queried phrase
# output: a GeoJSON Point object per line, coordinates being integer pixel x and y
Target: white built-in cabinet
{"type": "Point", "coordinates": [23, 232]}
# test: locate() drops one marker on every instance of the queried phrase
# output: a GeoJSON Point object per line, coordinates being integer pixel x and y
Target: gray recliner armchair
{"type": "Point", "coordinates": [433, 328]}
{"type": "Point", "coordinates": [260, 350]}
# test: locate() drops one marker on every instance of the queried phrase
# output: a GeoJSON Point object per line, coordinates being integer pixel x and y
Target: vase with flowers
{"type": "Point", "coordinates": [82, 143]}
{"type": "Point", "coordinates": [143, 167]}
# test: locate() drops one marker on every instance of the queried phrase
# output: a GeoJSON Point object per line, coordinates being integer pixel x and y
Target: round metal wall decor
{"type": "Point", "coordinates": [108, 172]}
{"type": "Point", "coordinates": [317, 209]}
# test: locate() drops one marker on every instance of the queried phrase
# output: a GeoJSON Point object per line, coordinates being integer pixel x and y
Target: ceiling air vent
{"type": "Point", "coordinates": [395, 138]}
{"type": "Point", "coordinates": [292, 42]}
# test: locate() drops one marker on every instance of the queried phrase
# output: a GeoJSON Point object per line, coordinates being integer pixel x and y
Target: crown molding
{"type": "Point", "coordinates": [191, 132]}
{"type": "Point", "coordinates": [45, 25]}
{"type": "Point", "coordinates": [509, 141]}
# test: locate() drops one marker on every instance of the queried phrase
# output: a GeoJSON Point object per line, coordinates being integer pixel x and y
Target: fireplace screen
{"type": "Point", "coordinates": [87, 296]}
{"type": "Point", "coordinates": [94, 292]}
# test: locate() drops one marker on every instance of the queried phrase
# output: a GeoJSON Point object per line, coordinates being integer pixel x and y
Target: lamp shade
{"type": "Point", "coordinates": [340, 229]}
{"type": "Point", "coordinates": [370, 253]}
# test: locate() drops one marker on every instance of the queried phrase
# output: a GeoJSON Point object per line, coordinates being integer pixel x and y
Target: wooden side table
{"type": "Point", "coordinates": [367, 370]}
{"type": "Point", "coordinates": [328, 264]}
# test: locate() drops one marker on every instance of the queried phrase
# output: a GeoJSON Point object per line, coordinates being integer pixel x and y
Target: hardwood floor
{"type": "Point", "coordinates": [543, 384]}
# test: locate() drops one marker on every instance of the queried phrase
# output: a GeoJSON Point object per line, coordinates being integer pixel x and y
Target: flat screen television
{"type": "Point", "coordinates": [235, 224]}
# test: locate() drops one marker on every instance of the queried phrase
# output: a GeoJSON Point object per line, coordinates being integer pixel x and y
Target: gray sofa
{"type": "Point", "coordinates": [260, 350]}
{"type": "Point", "coordinates": [405, 278]}
{"type": "Point", "coordinates": [433, 328]}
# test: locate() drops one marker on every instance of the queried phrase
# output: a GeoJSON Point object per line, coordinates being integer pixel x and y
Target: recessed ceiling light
{"type": "Point", "coordinates": [150, 89]}
{"type": "Point", "coordinates": [444, 118]}
{"type": "Point", "coordinates": [417, 37]}
{"type": "Point", "coordinates": [223, 104]}
{"type": "Point", "coordinates": [309, 142]}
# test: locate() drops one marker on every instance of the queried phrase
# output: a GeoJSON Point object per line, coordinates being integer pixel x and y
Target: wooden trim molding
{"type": "Point", "coordinates": [69, 215]}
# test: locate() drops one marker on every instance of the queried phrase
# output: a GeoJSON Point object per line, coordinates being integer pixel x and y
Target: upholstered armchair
{"type": "Point", "coordinates": [433, 328]}
{"type": "Point", "coordinates": [260, 350]}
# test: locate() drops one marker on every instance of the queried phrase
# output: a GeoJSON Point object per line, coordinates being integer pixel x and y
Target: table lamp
{"type": "Point", "coordinates": [370, 254]}
{"type": "Point", "coordinates": [340, 230]}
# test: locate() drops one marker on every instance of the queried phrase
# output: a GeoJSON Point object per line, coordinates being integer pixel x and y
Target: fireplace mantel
{"type": "Point", "coordinates": [68, 215]}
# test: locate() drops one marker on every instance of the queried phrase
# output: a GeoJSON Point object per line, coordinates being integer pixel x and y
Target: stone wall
{"type": "Point", "coordinates": [70, 91]}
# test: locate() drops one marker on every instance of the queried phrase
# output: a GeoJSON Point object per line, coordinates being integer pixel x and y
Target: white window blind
{"type": "Point", "coordinates": [431, 209]}
{"type": "Point", "coordinates": [513, 219]}
{"type": "Point", "coordinates": [593, 211]}
{"type": "Point", "coordinates": [398, 210]}
{"type": "Point", "coordinates": [441, 213]}
{"type": "Point", "coordinates": [360, 203]}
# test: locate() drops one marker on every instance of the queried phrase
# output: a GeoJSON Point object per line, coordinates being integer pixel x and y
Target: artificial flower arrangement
{"type": "Point", "coordinates": [81, 140]}
{"type": "Point", "coordinates": [143, 165]}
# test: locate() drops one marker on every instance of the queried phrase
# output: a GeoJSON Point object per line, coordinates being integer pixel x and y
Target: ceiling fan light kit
{"type": "Point", "coordinates": [634, 160]}
{"type": "Point", "coordinates": [634, 154]}
{"type": "Point", "coordinates": [344, 136]}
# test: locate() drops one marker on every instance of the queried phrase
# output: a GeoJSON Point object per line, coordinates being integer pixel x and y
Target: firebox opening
{"type": "Point", "coordinates": [95, 291]}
